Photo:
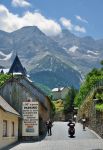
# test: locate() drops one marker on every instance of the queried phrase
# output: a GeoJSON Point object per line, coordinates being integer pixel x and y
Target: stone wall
{"type": "Point", "coordinates": [94, 118]}
{"type": "Point", "coordinates": [98, 124]}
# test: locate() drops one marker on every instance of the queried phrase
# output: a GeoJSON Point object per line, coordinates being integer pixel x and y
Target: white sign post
{"type": "Point", "coordinates": [30, 123]}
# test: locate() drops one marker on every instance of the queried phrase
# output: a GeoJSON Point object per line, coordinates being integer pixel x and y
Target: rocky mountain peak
{"type": "Point", "coordinates": [51, 60]}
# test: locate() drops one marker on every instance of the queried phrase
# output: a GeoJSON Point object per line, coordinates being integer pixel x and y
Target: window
{"type": "Point", "coordinates": [12, 128]}
{"type": "Point", "coordinates": [4, 128]}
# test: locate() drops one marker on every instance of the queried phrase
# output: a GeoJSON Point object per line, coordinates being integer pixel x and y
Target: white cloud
{"type": "Point", "coordinates": [48, 26]}
{"type": "Point", "coordinates": [79, 29]}
{"type": "Point", "coordinates": [70, 26]}
{"type": "Point", "coordinates": [66, 23]}
{"type": "Point", "coordinates": [20, 3]}
{"type": "Point", "coordinates": [81, 19]}
{"type": "Point", "coordinates": [10, 22]}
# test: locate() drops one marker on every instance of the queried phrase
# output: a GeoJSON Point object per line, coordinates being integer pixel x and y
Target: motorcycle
{"type": "Point", "coordinates": [71, 130]}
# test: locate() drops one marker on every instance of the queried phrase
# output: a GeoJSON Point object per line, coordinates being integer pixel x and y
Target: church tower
{"type": "Point", "coordinates": [17, 67]}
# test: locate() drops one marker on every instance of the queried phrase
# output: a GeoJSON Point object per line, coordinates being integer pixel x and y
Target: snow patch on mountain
{"type": "Point", "coordinates": [2, 54]}
{"type": "Point", "coordinates": [47, 69]}
{"type": "Point", "coordinates": [90, 56]}
{"type": "Point", "coordinates": [73, 49]}
{"type": "Point", "coordinates": [76, 68]}
{"type": "Point", "coordinates": [6, 56]}
{"type": "Point", "coordinates": [91, 52]}
{"type": "Point", "coordinates": [36, 65]}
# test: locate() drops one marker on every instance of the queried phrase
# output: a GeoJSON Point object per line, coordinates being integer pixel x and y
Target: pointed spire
{"type": "Point", "coordinates": [16, 53]}
{"type": "Point", "coordinates": [17, 67]}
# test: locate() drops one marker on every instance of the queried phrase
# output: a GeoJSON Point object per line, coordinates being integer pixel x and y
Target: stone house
{"type": "Point", "coordinates": [60, 93]}
{"type": "Point", "coordinates": [19, 88]}
{"type": "Point", "coordinates": [8, 124]}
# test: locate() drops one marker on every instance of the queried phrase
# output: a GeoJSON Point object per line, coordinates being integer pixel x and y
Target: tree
{"type": "Point", "coordinates": [69, 100]}
{"type": "Point", "coordinates": [67, 104]}
{"type": "Point", "coordinates": [91, 80]}
{"type": "Point", "coordinates": [101, 62]}
{"type": "Point", "coordinates": [53, 109]}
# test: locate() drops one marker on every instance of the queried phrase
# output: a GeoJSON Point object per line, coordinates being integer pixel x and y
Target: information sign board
{"type": "Point", "coordinates": [30, 123]}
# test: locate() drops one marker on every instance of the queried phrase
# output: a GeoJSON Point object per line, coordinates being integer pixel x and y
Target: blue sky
{"type": "Point", "coordinates": [82, 17]}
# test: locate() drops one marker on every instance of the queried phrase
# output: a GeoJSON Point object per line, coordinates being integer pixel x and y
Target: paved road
{"type": "Point", "coordinates": [60, 132]}
{"type": "Point", "coordinates": [84, 140]}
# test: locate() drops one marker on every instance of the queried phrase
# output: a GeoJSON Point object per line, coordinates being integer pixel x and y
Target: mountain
{"type": "Point", "coordinates": [84, 52]}
{"type": "Point", "coordinates": [53, 61]}
{"type": "Point", "coordinates": [44, 88]}
{"type": "Point", "coordinates": [52, 72]}
{"type": "Point", "coordinates": [66, 39]}
{"type": "Point", "coordinates": [43, 57]}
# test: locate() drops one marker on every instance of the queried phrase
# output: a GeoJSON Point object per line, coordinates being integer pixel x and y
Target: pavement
{"type": "Point", "coordinates": [59, 140]}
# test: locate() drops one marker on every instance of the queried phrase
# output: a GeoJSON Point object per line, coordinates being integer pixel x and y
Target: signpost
{"type": "Point", "coordinates": [30, 123]}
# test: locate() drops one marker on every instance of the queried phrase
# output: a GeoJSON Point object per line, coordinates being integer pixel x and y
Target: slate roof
{"type": "Point", "coordinates": [17, 67]}
{"type": "Point", "coordinates": [6, 107]}
{"type": "Point", "coordinates": [30, 87]}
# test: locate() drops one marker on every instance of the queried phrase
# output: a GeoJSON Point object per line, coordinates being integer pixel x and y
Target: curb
{"type": "Point", "coordinates": [98, 136]}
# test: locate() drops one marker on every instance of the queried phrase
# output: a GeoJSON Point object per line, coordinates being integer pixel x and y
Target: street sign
{"type": "Point", "coordinates": [30, 123]}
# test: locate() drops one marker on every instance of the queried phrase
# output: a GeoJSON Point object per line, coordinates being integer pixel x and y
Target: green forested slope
{"type": "Point", "coordinates": [91, 79]}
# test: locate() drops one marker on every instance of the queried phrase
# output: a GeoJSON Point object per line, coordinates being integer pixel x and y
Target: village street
{"type": "Point", "coordinates": [84, 140]}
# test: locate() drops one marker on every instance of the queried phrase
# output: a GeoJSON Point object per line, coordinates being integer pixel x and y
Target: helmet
{"type": "Point", "coordinates": [70, 120]}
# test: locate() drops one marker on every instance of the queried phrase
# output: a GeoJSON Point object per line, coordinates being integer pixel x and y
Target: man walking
{"type": "Point", "coordinates": [49, 126]}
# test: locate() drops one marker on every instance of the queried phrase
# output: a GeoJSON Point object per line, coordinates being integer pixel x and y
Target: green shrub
{"type": "Point", "coordinates": [4, 78]}
{"type": "Point", "coordinates": [99, 107]}
{"type": "Point", "coordinates": [90, 81]}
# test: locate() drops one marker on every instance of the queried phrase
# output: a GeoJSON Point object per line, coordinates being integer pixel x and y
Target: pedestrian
{"type": "Point", "coordinates": [84, 123]}
{"type": "Point", "coordinates": [49, 126]}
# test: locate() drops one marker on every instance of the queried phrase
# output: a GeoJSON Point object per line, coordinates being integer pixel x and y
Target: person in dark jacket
{"type": "Point", "coordinates": [49, 126]}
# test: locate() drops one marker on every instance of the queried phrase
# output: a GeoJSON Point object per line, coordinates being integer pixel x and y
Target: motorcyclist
{"type": "Point", "coordinates": [71, 130]}
{"type": "Point", "coordinates": [75, 117]}
{"type": "Point", "coordinates": [84, 123]}
{"type": "Point", "coordinates": [70, 122]}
